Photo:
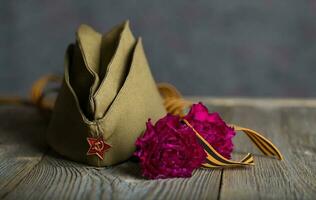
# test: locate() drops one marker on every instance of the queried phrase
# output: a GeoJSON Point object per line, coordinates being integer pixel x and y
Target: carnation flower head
{"type": "Point", "coordinates": [169, 149]}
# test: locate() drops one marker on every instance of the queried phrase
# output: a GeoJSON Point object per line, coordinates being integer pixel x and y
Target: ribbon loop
{"type": "Point", "coordinates": [38, 93]}
{"type": "Point", "coordinates": [262, 143]}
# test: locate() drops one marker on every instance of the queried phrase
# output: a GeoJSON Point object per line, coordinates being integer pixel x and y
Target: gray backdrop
{"type": "Point", "coordinates": [211, 47]}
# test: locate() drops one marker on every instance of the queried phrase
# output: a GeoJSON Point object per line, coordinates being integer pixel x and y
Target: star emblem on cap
{"type": "Point", "coordinates": [97, 147]}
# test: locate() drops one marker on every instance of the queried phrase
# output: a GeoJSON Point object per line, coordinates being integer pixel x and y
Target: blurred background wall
{"type": "Point", "coordinates": [212, 47]}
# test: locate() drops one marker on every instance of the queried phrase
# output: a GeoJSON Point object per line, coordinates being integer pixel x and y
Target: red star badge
{"type": "Point", "coordinates": [97, 147]}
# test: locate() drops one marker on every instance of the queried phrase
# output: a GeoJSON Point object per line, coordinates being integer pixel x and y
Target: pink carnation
{"type": "Point", "coordinates": [169, 149]}
{"type": "Point", "coordinates": [213, 129]}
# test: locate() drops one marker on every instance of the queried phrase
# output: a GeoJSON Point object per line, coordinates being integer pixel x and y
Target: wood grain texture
{"type": "Point", "coordinates": [62, 179]}
{"type": "Point", "coordinates": [293, 131]}
{"type": "Point", "coordinates": [21, 145]}
{"type": "Point", "coordinates": [28, 172]}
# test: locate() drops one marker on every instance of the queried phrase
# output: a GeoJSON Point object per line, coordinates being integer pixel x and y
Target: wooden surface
{"type": "Point", "coordinates": [30, 170]}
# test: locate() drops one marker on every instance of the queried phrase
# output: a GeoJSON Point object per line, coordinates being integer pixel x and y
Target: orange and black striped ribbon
{"type": "Point", "coordinates": [216, 160]}
{"type": "Point", "coordinates": [175, 104]}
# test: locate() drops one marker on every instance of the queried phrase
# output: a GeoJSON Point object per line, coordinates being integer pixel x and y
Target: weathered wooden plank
{"type": "Point", "coordinates": [21, 144]}
{"type": "Point", "coordinates": [292, 129]}
{"type": "Point", "coordinates": [56, 178]}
